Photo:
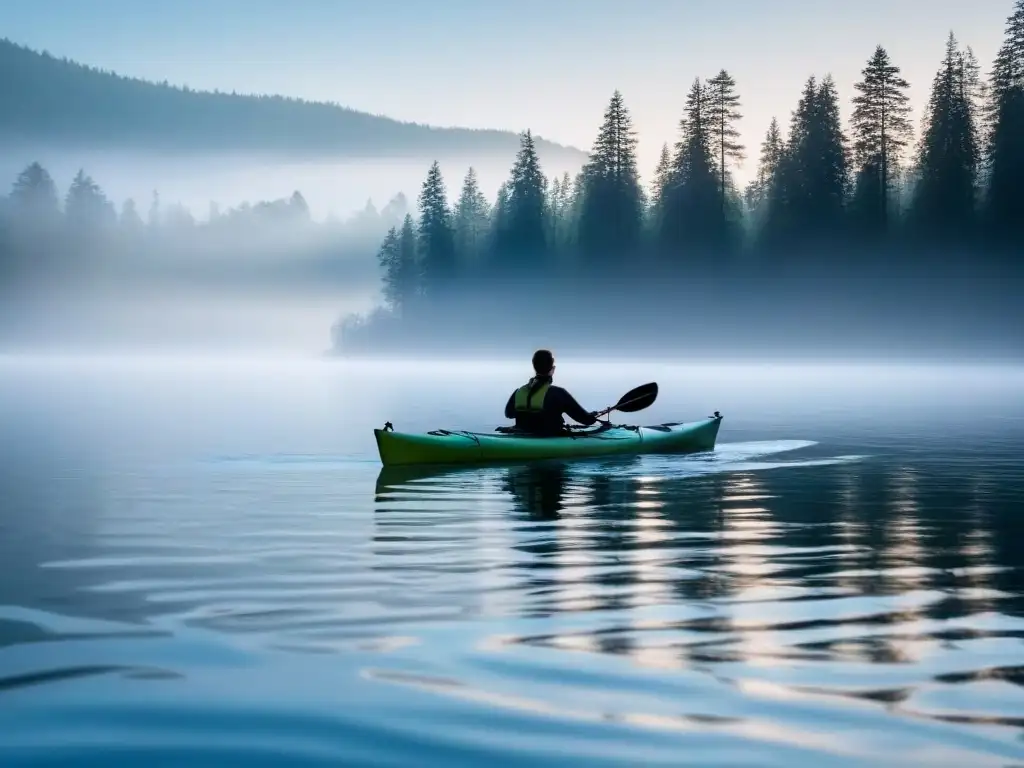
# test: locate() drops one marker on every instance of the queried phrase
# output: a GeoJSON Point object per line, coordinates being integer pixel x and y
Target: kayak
{"type": "Point", "coordinates": [444, 446]}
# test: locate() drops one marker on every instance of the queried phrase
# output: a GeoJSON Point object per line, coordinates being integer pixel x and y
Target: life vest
{"type": "Point", "coordinates": [527, 402]}
{"type": "Point", "coordinates": [530, 413]}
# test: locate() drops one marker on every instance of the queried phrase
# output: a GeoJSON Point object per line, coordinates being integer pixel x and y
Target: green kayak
{"type": "Point", "coordinates": [443, 446]}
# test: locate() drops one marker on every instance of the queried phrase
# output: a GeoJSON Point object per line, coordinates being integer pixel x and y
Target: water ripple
{"type": "Point", "coordinates": [781, 602]}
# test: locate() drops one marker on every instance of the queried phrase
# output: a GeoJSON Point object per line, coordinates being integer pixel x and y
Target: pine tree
{"type": "Point", "coordinates": [772, 149]}
{"type": "Point", "coordinates": [612, 212]}
{"type": "Point", "coordinates": [692, 211]}
{"type": "Point", "coordinates": [881, 134]}
{"type": "Point", "coordinates": [789, 187]}
{"type": "Point", "coordinates": [566, 224]}
{"type": "Point", "coordinates": [408, 277]}
{"type": "Point", "coordinates": [659, 184]}
{"type": "Point", "coordinates": [398, 260]}
{"type": "Point", "coordinates": [1004, 204]}
{"type": "Point", "coordinates": [86, 207]}
{"type": "Point", "coordinates": [724, 112]}
{"type": "Point", "coordinates": [523, 239]}
{"type": "Point", "coordinates": [34, 196]}
{"type": "Point", "coordinates": [387, 257]}
{"type": "Point", "coordinates": [555, 212]}
{"type": "Point", "coordinates": [834, 181]}
{"type": "Point", "coordinates": [808, 193]}
{"type": "Point", "coordinates": [30, 220]}
{"type": "Point", "coordinates": [574, 192]}
{"type": "Point", "coordinates": [472, 213]}
{"type": "Point", "coordinates": [500, 216]}
{"type": "Point", "coordinates": [948, 159]}
{"type": "Point", "coordinates": [436, 238]}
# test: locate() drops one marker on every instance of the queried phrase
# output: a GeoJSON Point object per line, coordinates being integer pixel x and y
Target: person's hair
{"type": "Point", "coordinates": [543, 361]}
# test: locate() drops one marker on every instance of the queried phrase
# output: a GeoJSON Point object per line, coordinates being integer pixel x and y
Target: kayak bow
{"type": "Point", "coordinates": [443, 446]}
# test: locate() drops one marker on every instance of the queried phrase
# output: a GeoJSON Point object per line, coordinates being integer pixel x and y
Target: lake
{"type": "Point", "coordinates": [202, 563]}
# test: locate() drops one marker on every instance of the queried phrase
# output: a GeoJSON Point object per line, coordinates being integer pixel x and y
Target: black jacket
{"type": "Point", "coordinates": [557, 401]}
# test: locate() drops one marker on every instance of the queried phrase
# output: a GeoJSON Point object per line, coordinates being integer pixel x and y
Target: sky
{"type": "Point", "coordinates": [548, 66]}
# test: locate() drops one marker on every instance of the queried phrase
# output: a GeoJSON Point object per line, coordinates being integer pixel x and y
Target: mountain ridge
{"type": "Point", "coordinates": [47, 99]}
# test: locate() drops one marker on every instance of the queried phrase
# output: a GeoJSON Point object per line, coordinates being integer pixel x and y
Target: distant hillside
{"type": "Point", "coordinates": [45, 100]}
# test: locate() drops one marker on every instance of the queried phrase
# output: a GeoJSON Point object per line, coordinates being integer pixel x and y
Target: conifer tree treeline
{"type": "Point", "coordinates": [49, 236]}
{"type": "Point", "coordinates": [872, 184]}
{"type": "Point", "coordinates": [824, 196]}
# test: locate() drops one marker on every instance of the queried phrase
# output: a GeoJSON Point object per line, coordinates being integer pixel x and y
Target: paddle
{"type": "Point", "coordinates": [635, 400]}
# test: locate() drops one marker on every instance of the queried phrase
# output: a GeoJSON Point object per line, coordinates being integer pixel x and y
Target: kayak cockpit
{"type": "Point", "coordinates": [571, 431]}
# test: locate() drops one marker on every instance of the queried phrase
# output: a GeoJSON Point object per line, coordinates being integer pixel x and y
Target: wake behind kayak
{"type": "Point", "coordinates": [444, 446]}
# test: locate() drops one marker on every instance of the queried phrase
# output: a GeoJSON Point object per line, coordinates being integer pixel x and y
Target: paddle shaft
{"type": "Point", "coordinates": [611, 408]}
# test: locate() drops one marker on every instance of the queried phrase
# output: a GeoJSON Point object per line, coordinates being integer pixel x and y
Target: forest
{"type": "Point", "coordinates": [59, 102]}
{"type": "Point", "coordinates": [79, 239]}
{"type": "Point", "coordinates": [869, 234]}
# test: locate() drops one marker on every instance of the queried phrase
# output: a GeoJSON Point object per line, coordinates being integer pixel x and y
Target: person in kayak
{"type": "Point", "coordinates": [538, 405]}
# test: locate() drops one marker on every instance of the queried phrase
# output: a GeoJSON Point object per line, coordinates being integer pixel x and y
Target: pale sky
{"type": "Point", "coordinates": [550, 66]}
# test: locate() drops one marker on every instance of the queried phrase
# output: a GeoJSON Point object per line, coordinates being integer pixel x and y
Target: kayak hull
{"type": "Point", "coordinates": [457, 447]}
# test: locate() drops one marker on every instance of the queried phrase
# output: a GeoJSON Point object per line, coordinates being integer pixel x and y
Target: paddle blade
{"type": "Point", "coordinates": [638, 399]}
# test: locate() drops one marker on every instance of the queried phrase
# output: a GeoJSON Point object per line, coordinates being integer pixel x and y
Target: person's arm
{"type": "Point", "coordinates": [575, 411]}
{"type": "Point", "coordinates": [510, 407]}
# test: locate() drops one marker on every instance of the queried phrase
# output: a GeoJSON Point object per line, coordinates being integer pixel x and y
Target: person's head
{"type": "Point", "coordinates": [543, 362]}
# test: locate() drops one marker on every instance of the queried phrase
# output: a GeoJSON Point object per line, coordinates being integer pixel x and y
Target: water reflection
{"type": "Point", "coordinates": [750, 576]}
{"type": "Point", "coordinates": [766, 575]}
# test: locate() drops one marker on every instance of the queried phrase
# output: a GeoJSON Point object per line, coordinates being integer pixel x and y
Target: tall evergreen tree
{"type": "Point", "coordinates": [659, 184]}
{"type": "Point", "coordinates": [408, 273]}
{"type": "Point", "coordinates": [948, 160]}
{"type": "Point", "coordinates": [523, 239]}
{"type": "Point", "coordinates": [575, 199]}
{"type": "Point", "coordinates": [772, 149]}
{"type": "Point", "coordinates": [30, 220]}
{"type": "Point", "coordinates": [565, 224]}
{"type": "Point", "coordinates": [472, 214]}
{"type": "Point", "coordinates": [398, 260]}
{"type": "Point", "coordinates": [34, 196]}
{"type": "Point", "coordinates": [556, 211]}
{"type": "Point", "coordinates": [500, 216]}
{"type": "Point", "coordinates": [692, 213]}
{"type": "Point", "coordinates": [87, 209]}
{"type": "Point", "coordinates": [789, 185]}
{"type": "Point", "coordinates": [387, 258]}
{"type": "Point", "coordinates": [1004, 203]}
{"type": "Point", "coordinates": [612, 213]}
{"type": "Point", "coordinates": [724, 112]}
{"type": "Point", "coordinates": [436, 238]}
{"type": "Point", "coordinates": [881, 134]}
{"type": "Point", "coordinates": [831, 147]}
{"type": "Point", "coordinates": [808, 194]}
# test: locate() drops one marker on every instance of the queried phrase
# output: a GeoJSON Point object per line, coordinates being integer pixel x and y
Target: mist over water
{"type": "Point", "coordinates": [332, 187]}
{"type": "Point", "coordinates": [209, 302]}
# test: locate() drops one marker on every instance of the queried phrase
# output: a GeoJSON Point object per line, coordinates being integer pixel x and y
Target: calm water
{"type": "Point", "coordinates": [203, 564]}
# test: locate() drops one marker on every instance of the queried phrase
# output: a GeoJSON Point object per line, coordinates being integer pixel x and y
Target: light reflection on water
{"type": "Point", "coordinates": [854, 598]}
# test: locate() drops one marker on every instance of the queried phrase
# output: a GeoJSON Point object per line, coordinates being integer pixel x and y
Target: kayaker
{"type": "Point", "coordinates": [538, 405]}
